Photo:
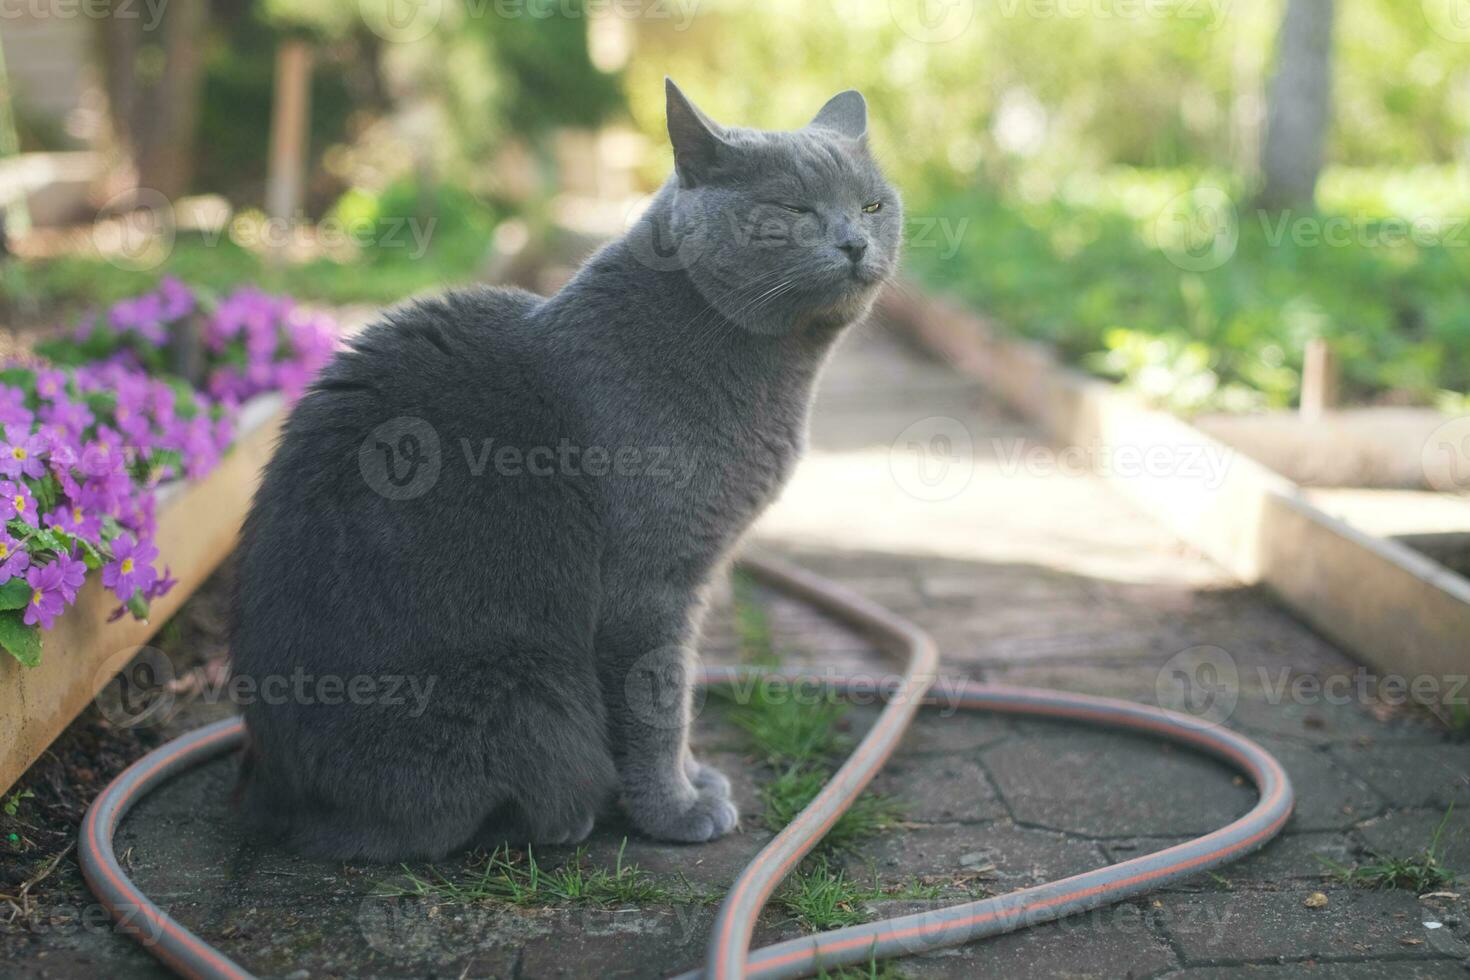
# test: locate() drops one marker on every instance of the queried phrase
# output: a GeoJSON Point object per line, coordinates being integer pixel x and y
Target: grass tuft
{"type": "Point", "coordinates": [799, 738]}
{"type": "Point", "coordinates": [820, 898]}
{"type": "Point", "coordinates": [517, 878]}
{"type": "Point", "coordinates": [1418, 873]}
{"type": "Point", "coordinates": [752, 625]}
{"type": "Point", "coordinates": [871, 970]}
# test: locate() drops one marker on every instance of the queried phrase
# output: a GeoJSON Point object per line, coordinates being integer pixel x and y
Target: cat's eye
{"type": "Point", "coordinates": [873, 208]}
{"type": "Point", "coordinates": [795, 208]}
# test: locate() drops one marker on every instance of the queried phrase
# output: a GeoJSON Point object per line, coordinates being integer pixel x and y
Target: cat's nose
{"type": "Point", "coordinates": [854, 248]}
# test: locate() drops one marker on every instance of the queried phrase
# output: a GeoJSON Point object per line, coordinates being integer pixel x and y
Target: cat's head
{"type": "Point", "coordinates": [780, 230]}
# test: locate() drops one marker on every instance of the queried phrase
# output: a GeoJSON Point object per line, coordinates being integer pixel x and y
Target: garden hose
{"type": "Point", "coordinates": [729, 952]}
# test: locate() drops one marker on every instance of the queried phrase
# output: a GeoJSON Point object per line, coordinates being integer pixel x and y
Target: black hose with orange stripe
{"type": "Point", "coordinates": [729, 948]}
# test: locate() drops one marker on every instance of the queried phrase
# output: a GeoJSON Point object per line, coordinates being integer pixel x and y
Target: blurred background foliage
{"type": "Point", "coordinates": [1052, 146]}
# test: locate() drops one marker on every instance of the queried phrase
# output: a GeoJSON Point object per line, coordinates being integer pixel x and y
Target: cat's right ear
{"type": "Point", "coordinates": [698, 144]}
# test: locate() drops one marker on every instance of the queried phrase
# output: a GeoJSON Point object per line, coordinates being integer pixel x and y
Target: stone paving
{"type": "Point", "coordinates": [923, 495]}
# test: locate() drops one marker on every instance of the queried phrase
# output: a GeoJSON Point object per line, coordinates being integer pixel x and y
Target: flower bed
{"type": "Point", "coordinates": [94, 424]}
{"type": "Point", "coordinates": [145, 478]}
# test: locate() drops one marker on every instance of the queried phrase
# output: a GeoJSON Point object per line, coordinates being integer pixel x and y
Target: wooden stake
{"type": "Point", "coordinates": [290, 116]}
{"type": "Point", "coordinates": [1319, 379]}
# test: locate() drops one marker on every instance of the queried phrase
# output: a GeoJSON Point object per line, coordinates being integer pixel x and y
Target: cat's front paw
{"type": "Point", "coordinates": [706, 777]}
{"type": "Point", "coordinates": [694, 816]}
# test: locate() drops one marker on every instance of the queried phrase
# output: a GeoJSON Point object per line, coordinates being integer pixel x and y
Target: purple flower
{"type": "Point", "coordinates": [50, 385]}
{"type": "Point", "coordinates": [137, 514]}
{"type": "Point", "coordinates": [105, 493]}
{"type": "Point", "coordinates": [13, 558]}
{"type": "Point", "coordinates": [47, 598]}
{"type": "Point", "coordinates": [142, 315]}
{"type": "Point", "coordinates": [176, 300]}
{"type": "Point", "coordinates": [16, 502]}
{"type": "Point", "coordinates": [131, 568]}
{"type": "Point", "coordinates": [104, 455]}
{"type": "Point", "coordinates": [63, 458]}
{"type": "Point", "coordinates": [21, 452]}
{"type": "Point", "coordinates": [161, 403]}
{"type": "Point", "coordinates": [160, 588]}
{"type": "Point", "coordinates": [75, 520]}
{"type": "Point", "coordinates": [130, 411]}
{"type": "Point", "coordinates": [70, 416]}
{"type": "Point", "coordinates": [73, 574]}
{"type": "Point", "coordinates": [13, 410]}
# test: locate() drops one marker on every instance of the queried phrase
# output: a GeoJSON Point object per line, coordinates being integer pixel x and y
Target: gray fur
{"type": "Point", "coordinates": [655, 405]}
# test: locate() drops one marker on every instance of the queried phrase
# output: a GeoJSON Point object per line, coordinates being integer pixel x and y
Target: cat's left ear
{"type": "Point", "coordinates": [846, 114]}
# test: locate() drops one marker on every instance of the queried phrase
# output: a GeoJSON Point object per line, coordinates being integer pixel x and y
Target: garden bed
{"type": "Point", "coordinates": [1174, 284]}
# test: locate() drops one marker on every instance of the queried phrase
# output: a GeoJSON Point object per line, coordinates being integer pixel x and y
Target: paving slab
{"type": "Point", "coordinates": [997, 857]}
{"type": "Point", "coordinates": [1280, 925]}
{"type": "Point", "coordinates": [1416, 775]}
{"type": "Point", "coordinates": [1107, 785]}
{"type": "Point", "coordinates": [1106, 945]}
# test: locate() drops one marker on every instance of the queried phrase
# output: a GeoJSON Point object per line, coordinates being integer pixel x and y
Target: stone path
{"type": "Point", "coordinates": [921, 494]}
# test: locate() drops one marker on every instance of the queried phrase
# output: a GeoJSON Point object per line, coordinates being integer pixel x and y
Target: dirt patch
{"type": "Point", "coordinates": [40, 816]}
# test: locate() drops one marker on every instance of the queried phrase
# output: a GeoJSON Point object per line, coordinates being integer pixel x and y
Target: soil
{"type": "Point", "coordinates": [39, 877]}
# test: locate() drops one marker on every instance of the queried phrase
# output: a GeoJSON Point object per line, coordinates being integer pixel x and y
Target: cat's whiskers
{"type": "Point", "coordinates": [735, 297]}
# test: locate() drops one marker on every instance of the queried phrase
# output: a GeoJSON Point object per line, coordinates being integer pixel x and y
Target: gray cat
{"type": "Point", "coordinates": [473, 573]}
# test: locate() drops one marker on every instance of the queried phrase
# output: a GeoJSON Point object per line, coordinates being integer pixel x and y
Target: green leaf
{"type": "Point", "coordinates": [19, 640]}
{"type": "Point", "coordinates": [90, 554]}
{"type": "Point", "coordinates": [46, 490]}
{"type": "Point", "coordinates": [138, 606]}
{"type": "Point", "coordinates": [166, 459]}
{"type": "Point", "coordinates": [49, 538]}
{"type": "Point", "coordinates": [15, 593]}
{"type": "Point", "coordinates": [64, 540]}
{"type": "Point", "coordinates": [22, 378]}
{"type": "Point", "coordinates": [101, 403]}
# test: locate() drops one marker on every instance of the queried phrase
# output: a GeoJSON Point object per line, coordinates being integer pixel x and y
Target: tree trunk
{"type": "Point", "coordinates": [119, 42]}
{"type": "Point", "coordinates": [165, 158]}
{"type": "Point", "coordinates": [1301, 106]}
{"type": "Point", "coordinates": [154, 118]}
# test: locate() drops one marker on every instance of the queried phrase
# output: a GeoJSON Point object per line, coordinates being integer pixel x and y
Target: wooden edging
{"type": "Point", "coordinates": [198, 524]}
{"type": "Point", "coordinates": [1399, 611]}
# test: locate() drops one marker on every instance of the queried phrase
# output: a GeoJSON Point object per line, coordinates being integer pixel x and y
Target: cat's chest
{"type": "Point", "coordinates": [716, 480]}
